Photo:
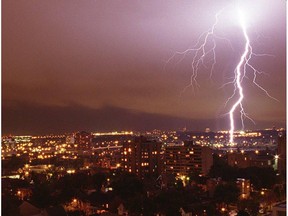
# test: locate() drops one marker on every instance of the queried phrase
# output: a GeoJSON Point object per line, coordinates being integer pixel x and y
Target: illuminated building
{"type": "Point", "coordinates": [83, 139]}
{"type": "Point", "coordinates": [182, 159]}
{"type": "Point", "coordinates": [70, 139]}
{"type": "Point", "coordinates": [141, 156]}
{"type": "Point", "coordinates": [244, 187]}
{"type": "Point", "coordinates": [281, 153]}
{"type": "Point", "coordinates": [241, 160]}
{"type": "Point", "coordinates": [250, 159]}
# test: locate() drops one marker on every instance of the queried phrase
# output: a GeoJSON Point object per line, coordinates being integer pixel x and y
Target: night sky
{"type": "Point", "coordinates": [95, 65]}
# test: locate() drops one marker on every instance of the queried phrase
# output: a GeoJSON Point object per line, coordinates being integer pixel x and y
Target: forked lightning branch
{"type": "Point", "coordinates": [205, 50]}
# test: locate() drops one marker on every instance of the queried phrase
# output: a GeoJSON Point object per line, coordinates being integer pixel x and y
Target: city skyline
{"type": "Point", "coordinates": [100, 66]}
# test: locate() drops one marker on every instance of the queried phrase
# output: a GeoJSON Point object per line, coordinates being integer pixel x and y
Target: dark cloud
{"type": "Point", "coordinates": [31, 119]}
{"type": "Point", "coordinates": [99, 54]}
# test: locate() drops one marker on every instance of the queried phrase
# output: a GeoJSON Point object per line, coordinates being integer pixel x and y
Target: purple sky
{"type": "Point", "coordinates": [100, 65]}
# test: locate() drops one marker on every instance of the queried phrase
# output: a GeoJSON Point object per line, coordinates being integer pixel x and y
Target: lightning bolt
{"type": "Point", "coordinates": [199, 52]}
{"type": "Point", "coordinates": [240, 72]}
{"type": "Point", "coordinates": [238, 80]}
{"type": "Point", "coordinates": [204, 48]}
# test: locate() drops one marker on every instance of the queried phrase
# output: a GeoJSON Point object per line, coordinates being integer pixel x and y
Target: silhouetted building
{"type": "Point", "coordinates": [142, 156]}
{"type": "Point", "coordinates": [241, 160]}
{"type": "Point", "coordinates": [182, 159]}
{"type": "Point", "coordinates": [250, 159]}
{"type": "Point", "coordinates": [27, 209]}
{"type": "Point", "coordinates": [279, 209]}
{"type": "Point", "coordinates": [262, 159]}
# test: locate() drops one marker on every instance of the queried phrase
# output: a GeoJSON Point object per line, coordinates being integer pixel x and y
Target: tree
{"type": "Point", "coordinates": [98, 180]}
{"type": "Point", "coordinates": [179, 184]}
{"type": "Point", "coordinates": [249, 205]}
{"type": "Point", "coordinates": [260, 177]}
{"type": "Point", "coordinates": [169, 202]}
{"type": "Point", "coordinates": [194, 176]}
{"type": "Point", "coordinates": [127, 185]}
{"type": "Point", "coordinates": [10, 204]}
{"type": "Point", "coordinates": [149, 206]}
{"type": "Point", "coordinates": [243, 213]}
{"type": "Point", "coordinates": [71, 186]}
{"type": "Point", "coordinates": [75, 213]}
{"type": "Point", "coordinates": [220, 168]}
{"type": "Point", "coordinates": [41, 195]}
{"type": "Point", "coordinates": [226, 193]}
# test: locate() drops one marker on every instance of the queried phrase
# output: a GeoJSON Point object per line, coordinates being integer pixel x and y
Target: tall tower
{"type": "Point", "coordinates": [142, 156]}
{"type": "Point", "coordinates": [182, 159]}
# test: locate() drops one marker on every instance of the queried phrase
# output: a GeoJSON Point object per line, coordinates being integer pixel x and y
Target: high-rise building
{"type": "Point", "coordinates": [142, 156]}
{"type": "Point", "coordinates": [244, 187]}
{"type": "Point", "coordinates": [182, 159]}
{"type": "Point", "coordinates": [83, 140]}
{"type": "Point", "coordinates": [70, 139]}
{"type": "Point", "coordinates": [280, 158]}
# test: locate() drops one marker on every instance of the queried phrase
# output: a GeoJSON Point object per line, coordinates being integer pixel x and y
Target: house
{"type": "Point", "coordinates": [184, 213]}
{"type": "Point", "coordinates": [27, 209]}
{"type": "Point", "coordinates": [54, 211]}
{"type": "Point", "coordinates": [279, 209]}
